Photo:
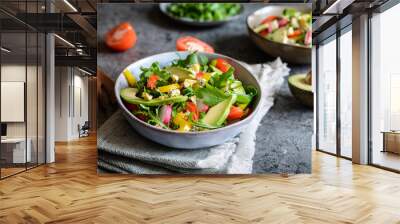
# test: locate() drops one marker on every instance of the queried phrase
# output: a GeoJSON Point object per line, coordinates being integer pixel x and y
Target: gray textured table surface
{"type": "Point", "coordinates": [283, 139]}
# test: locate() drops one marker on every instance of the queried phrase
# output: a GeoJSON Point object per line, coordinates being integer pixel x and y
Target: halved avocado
{"type": "Point", "coordinates": [301, 89]}
{"type": "Point", "coordinates": [217, 114]}
{"type": "Point", "coordinates": [129, 96]}
{"type": "Point", "coordinates": [180, 72]}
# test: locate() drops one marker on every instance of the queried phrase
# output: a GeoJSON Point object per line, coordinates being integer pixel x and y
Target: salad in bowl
{"type": "Point", "coordinates": [191, 94]}
{"type": "Point", "coordinates": [188, 100]}
{"type": "Point", "coordinates": [291, 27]}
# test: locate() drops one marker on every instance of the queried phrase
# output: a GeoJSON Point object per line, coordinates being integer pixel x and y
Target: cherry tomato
{"type": "Point", "coordinates": [152, 81]}
{"type": "Point", "coordinates": [235, 113]}
{"type": "Point", "coordinates": [269, 19]}
{"type": "Point", "coordinates": [295, 34]}
{"type": "Point", "coordinates": [264, 32]}
{"type": "Point", "coordinates": [191, 107]}
{"type": "Point", "coordinates": [189, 43]}
{"type": "Point", "coordinates": [199, 75]}
{"type": "Point", "coordinates": [222, 65]}
{"type": "Point", "coordinates": [121, 38]}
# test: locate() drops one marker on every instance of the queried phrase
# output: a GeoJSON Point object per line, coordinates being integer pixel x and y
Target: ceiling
{"type": "Point", "coordinates": [72, 20]}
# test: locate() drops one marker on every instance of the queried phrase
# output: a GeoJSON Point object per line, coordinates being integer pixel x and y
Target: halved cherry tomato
{"type": "Point", "coordinates": [264, 32]}
{"type": "Point", "coordinates": [152, 81]}
{"type": "Point", "coordinates": [121, 38]}
{"type": "Point", "coordinates": [191, 107]}
{"type": "Point", "coordinates": [189, 43]}
{"type": "Point", "coordinates": [268, 19]}
{"type": "Point", "coordinates": [235, 113]}
{"type": "Point", "coordinates": [199, 75]}
{"type": "Point", "coordinates": [222, 65]}
{"type": "Point", "coordinates": [295, 34]}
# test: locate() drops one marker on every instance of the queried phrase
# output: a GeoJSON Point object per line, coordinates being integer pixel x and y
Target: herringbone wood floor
{"type": "Point", "coordinates": [70, 191]}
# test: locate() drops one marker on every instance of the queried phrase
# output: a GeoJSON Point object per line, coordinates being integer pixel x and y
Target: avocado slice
{"type": "Point", "coordinates": [217, 114]}
{"type": "Point", "coordinates": [180, 72]}
{"type": "Point", "coordinates": [279, 35]}
{"type": "Point", "coordinates": [129, 96]}
{"type": "Point", "coordinates": [301, 90]}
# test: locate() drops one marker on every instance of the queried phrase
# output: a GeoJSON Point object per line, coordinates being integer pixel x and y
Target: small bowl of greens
{"type": "Point", "coordinates": [283, 31]}
{"type": "Point", "coordinates": [188, 100]}
{"type": "Point", "coordinates": [202, 14]}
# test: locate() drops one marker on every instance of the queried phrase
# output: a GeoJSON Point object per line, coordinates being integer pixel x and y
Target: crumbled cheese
{"type": "Point", "coordinates": [188, 83]}
{"type": "Point", "coordinates": [195, 67]}
{"type": "Point", "coordinates": [290, 31]}
{"type": "Point", "coordinates": [147, 96]}
{"type": "Point", "coordinates": [274, 25]}
{"type": "Point", "coordinates": [193, 99]}
{"type": "Point", "coordinates": [162, 97]}
{"type": "Point", "coordinates": [175, 78]}
{"type": "Point", "coordinates": [294, 22]}
{"type": "Point", "coordinates": [174, 92]}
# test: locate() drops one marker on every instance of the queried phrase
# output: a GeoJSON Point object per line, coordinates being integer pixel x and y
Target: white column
{"type": "Point", "coordinates": [50, 99]}
{"type": "Point", "coordinates": [50, 92]}
{"type": "Point", "coordinates": [360, 90]}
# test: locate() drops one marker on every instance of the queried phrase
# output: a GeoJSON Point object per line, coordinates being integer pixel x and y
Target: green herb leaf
{"type": "Point", "coordinates": [210, 95]}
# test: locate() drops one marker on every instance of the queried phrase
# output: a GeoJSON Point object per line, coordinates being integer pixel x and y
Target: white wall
{"type": "Point", "coordinates": [70, 83]}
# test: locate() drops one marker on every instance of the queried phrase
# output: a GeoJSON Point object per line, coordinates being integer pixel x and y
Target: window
{"type": "Point", "coordinates": [22, 76]}
{"type": "Point", "coordinates": [327, 96]}
{"type": "Point", "coordinates": [346, 95]}
{"type": "Point", "coordinates": [385, 89]}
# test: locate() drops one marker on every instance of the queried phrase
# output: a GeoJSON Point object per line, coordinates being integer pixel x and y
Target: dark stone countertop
{"type": "Point", "coordinates": [284, 137]}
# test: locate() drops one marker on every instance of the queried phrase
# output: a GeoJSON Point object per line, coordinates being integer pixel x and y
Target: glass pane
{"type": "Point", "coordinates": [385, 83]}
{"type": "Point", "coordinates": [13, 86]}
{"type": "Point", "coordinates": [327, 97]}
{"type": "Point", "coordinates": [32, 98]}
{"type": "Point", "coordinates": [346, 94]}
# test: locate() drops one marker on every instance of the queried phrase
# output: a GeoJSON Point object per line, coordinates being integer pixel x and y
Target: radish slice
{"type": "Point", "coordinates": [131, 107]}
{"type": "Point", "coordinates": [308, 38]}
{"type": "Point", "coordinates": [283, 22]}
{"type": "Point", "coordinates": [165, 114]}
{"type": "Point", "coordinates": [201, 106]}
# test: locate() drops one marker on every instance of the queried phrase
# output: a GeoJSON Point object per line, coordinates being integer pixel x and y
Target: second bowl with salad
{"type": "Point", "coordinates": [283, 31]}
{"type": "Point", "coordinates": [186, 99]}
{"type": "Point", "coordinates": [202, 14]}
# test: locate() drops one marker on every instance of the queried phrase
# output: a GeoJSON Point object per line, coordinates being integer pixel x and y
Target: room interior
{"type": "Point", "coordinates": [28, 101]}
{"type": "Point", "coordinates": [51, 82]}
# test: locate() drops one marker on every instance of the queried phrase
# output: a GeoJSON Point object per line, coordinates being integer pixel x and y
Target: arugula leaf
{"type": "Point", "coordinates": [203, 60]}
{"type": "Point", "coordinates": [202, 125]}
{"type": "Point", "coordinates": [192, 59]}
{"type": "Point", "coordinates": [224, 79]}
{"type": "Point", "coordinates": [210, 95]}
{"type": "Point", "coordinates": [188, 92]}
{"type": "Point", "coordinates": [251, 90]}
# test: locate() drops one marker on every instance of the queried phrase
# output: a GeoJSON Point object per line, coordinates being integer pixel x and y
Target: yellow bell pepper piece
{"type": "Point", "coordinates": [130, 78]}
{"type": "Point", "coordinates": [243, 106]}
{"type": "Point", "coordinates": [206, 76]}
{"type": "Point", "coordinates": [181, 120]}
{"type": "Point", "coordinates": [167, 88]}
